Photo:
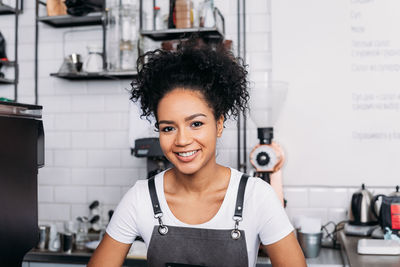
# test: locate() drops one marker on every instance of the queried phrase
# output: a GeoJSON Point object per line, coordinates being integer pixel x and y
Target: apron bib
{"type": "Point", "coordinates": [173, 246]}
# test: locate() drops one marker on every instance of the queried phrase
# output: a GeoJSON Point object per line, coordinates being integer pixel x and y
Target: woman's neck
{"type": "Point", "coordinates": [205, 180]}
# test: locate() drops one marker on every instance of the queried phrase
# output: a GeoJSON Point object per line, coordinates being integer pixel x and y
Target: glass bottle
{"type": "Point", "coordinates": [159, 24]}
{"type": "Point", "coordinates": [121, 37]}
{"type": "Point", "coordinates": [127, 55]}
{"type": "Point", "coordinates": [206, 14]}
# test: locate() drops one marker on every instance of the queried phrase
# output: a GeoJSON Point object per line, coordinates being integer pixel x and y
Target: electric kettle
{"type": "Point", "coordinates": [360, 208]}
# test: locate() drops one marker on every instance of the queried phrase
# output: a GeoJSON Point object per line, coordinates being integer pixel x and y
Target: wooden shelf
{"type": "Point", "coordinates": [6, 10]}
{"type": "Point", "coordinates": [96, 76]}
{"type": "Point", "coordinates": [7, 63]}
{"type": "Point", "coordinates": [171, 34]}
{"type": "Point", "coordinates": [94, 18]}
{"type": "Point", "coordinates": [6, 81]}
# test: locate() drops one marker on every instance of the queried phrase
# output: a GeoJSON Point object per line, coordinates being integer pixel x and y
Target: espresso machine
{"type": "Point", "coordinates": [150, 148]}
{"type": "Point", "coordinates": [21, 154]}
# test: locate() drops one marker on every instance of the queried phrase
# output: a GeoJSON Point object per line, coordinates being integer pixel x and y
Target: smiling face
{"type": "Point", "coordinates": [188, 130]}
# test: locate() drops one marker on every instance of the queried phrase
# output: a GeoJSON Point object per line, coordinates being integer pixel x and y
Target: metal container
{"type": "Point", "coordinates": [67, 242]}
{"type": "Point", "coordinates": [310, 243]}
{"type": "Point", "coordinates": [44, 237]}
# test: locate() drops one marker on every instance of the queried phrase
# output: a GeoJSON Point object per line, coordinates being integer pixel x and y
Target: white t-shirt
{"type": "Point", "coordinates": [264, 218]}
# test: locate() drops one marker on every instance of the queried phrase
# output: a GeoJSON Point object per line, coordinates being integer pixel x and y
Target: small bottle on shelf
{"type": "Point", "coordinates": [159, 23]}
{"type": "Point", "coordinates": [183, 14]}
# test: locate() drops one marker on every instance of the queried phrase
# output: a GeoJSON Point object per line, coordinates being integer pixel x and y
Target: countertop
{"type": "Point", "coordinates": [349, 245]}
{"type": "Point", "coordinates": [327, 258]}
{"type": "Point", "coordinates": [76, 257]}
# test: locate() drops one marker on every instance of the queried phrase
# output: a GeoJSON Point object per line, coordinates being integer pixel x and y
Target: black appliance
{"type": "Point", "coordinates": [360, 208]}
{"type": "Point", "coordinates": [150, 149]}
{"type": "Point", "coordinates": [388, 212]}
{"type": "Point", "coordinates": [21, 154]}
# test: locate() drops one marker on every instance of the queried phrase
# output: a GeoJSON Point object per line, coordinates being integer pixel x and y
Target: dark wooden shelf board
{"type": "Point", "coordinates": [96, 76]}
{"type": "Point", "coordinates": [171, 34]}
{"type": "Point", "coordinates": [71, 21]}
{"type": "Point", "coordinates": [7, 63]}
{"type": "Point", "coordinates": [6, 10]}
{"type": "Point", "coordinates": [6, 81]}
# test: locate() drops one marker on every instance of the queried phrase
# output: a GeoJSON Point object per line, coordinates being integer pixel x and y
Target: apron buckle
{"type": "Point", "coordinates": [235, 234]}
{"type": "Point", "coordinates": [162, 229]}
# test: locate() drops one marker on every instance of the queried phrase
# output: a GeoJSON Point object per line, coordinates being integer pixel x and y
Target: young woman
{"type": "Point", "coordinates": [198, 213]}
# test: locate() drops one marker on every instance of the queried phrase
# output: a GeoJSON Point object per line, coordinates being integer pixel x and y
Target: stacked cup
{"type": "Point", "coordinates": [183, 14]}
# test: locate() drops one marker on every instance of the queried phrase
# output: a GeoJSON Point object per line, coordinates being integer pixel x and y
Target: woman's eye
{"type": "Point", "coordinates": [167, 129]}
{"type": "Point", "coordinates": [197, 124]}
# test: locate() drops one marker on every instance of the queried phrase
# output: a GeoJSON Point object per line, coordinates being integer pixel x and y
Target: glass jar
{"type": "Point", "coordinates": [94, 61]}
{"type": "Point", "coordinates": [82, 235]}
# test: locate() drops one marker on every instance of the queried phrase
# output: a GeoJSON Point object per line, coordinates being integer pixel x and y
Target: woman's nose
{"type": "Point", "coordinates": [183, 138]}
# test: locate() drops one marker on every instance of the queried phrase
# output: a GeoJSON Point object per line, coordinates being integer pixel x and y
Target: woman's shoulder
{"type": "Point", "coordinates": [138, 186]}
{"type": "Point", "coordinates": [254, 184]}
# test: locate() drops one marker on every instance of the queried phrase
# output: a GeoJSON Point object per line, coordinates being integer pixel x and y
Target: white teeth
{"type": "Point", "coordinates": [187, 154]}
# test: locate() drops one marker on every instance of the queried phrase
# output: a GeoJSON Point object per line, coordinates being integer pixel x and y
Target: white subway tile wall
{"type": "Point", "coordinates": [86, 122]}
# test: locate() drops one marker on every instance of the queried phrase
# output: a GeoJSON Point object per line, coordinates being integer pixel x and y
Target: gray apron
{"type": "Point", "coordinates": [173, 246]}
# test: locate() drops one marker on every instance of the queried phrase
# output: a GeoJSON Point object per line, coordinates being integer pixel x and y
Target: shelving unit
{"type": "Point", "coordinates": [95, 18]}
{"type": "Point", "coordinates": [99, 18]}
{"type": "Point", "coordinates": [9, 10]}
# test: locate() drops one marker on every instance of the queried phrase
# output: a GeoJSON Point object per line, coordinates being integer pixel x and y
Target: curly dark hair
{"type": "Point", "coordinates": [216, 73]}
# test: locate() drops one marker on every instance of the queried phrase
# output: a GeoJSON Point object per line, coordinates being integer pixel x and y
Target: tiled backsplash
{"type": "Point", "coordinates": [327, 203]}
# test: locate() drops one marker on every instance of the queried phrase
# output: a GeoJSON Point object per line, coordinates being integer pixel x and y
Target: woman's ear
{"type": "Point", "coordinates": [220, 125]}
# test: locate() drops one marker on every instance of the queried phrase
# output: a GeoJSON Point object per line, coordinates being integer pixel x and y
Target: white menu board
{"type": "Point", "coordinates": [341, 58]}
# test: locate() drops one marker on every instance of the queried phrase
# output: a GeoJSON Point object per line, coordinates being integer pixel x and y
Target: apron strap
{"type": "Point", "coordinates": [237, 217]}
{"type": "Point", "coordinates": [162, 229]}
{"type": "Point", "coordinates": [240, 196]}
{"type": "Point", "coordinates": [154, 198]}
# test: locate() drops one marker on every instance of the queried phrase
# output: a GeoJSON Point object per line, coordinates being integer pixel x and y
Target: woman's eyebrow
{"type": "Point", "coordinates": [191, 117]}
{"type": "Point", "coordinates": [166, 122]}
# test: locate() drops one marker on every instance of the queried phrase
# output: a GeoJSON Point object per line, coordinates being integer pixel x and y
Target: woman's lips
{"type": "Point", "coordinates": [186, 158]}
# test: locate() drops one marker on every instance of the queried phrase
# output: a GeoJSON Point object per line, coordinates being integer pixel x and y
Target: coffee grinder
{"type": "Point", "coordinates": [267, 156]}
{"type": "Point", "coordinates": [150, 148]}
